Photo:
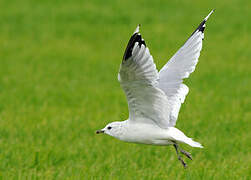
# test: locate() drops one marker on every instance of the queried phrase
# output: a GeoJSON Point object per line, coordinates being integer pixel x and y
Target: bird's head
{"type": "Point", "coordinates": [112, 129]}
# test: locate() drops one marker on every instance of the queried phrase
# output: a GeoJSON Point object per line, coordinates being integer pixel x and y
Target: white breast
{"type": "Point", "coordinates": [144, 133]}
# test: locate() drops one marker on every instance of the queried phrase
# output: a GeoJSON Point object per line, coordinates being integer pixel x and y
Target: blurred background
{"type": "Point", "coordinates": [58, 84]}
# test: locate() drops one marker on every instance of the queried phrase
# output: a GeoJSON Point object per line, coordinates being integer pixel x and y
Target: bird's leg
{"type": "Point", "coordinates": [179, 157]}
{"type": "Point", "coordinates": [187, 154]}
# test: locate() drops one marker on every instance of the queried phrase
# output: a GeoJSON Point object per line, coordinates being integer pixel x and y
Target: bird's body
{"type": "Point", "coordinates": [143, 133]}
{"type": "Point", "coordinates": [154, 98]}
{"type": "Point", "coordinates": [148, 133]}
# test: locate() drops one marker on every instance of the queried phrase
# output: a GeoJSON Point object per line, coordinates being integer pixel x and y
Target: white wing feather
{"type": "Point", "coordinates": [139, 78]}
{"type": "Point", "coordinates": [180, 66]}
{"type": "Point", "coordinates": [156, 97]}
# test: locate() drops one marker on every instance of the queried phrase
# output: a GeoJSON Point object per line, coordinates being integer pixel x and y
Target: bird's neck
{"type": "Point", "coordinates": [121, 130]}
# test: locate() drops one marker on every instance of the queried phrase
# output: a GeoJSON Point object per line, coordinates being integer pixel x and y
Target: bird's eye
{"type": "Point", "coordinates": [109, 128]}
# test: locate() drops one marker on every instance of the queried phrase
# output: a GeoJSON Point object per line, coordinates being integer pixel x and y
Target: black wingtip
{"type": "Point", "coordinates": [202, 25]}
{"type": "Point", "coordinates": [136, 37]}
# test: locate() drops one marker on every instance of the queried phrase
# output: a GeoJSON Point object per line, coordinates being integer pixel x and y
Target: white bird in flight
{"type": "Point", "coordinates": [154, 98]}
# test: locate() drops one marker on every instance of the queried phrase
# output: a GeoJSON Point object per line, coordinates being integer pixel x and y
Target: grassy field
{"type": "Point", "coordinates": [58, 84]}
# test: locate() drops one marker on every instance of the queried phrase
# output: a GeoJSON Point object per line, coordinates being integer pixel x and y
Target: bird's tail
{"type": "Point", "coordinates": [193, 143]}
{"type": "Point", "coordinates": [179, 136]}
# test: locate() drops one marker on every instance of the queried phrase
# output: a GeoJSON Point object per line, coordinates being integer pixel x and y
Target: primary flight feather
{"type": "Point", "coordinates": [154, 98]}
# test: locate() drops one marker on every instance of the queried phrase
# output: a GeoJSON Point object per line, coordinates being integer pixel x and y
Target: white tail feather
{"type": "Point", "coordinates": [179, 136]}
{"type": "Point", "coordinates": [193, 143]}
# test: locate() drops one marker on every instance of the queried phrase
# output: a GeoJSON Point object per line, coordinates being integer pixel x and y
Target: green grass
{"type": "Point", "coordinates": [58, 84]}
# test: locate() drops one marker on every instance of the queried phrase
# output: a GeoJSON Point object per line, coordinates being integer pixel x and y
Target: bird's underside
{"type": "Point", "coordinates": [155, 98]}
{"type": "Point", "coordinates": [145, 133]}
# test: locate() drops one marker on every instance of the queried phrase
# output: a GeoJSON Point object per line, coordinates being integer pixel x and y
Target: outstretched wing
{"type": "Point", "coordinates": [139, 77]}
{"type": "Point", "coordinates": [179, 67]}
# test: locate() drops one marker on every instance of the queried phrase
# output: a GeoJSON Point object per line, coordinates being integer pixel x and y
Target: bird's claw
{"type": "Point", "coordinates": [187, 154]}
{"type": "Point", "coordinates": [182, 162]}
